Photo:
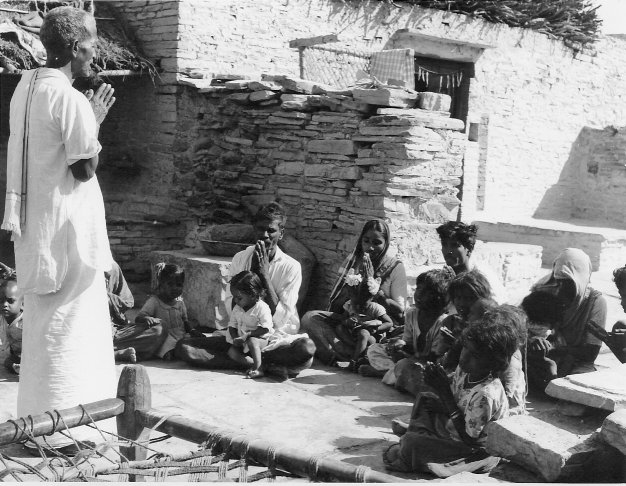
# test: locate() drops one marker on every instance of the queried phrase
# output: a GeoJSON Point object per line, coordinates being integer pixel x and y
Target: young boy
{"type": "Point", "coordinates": [11, 324]}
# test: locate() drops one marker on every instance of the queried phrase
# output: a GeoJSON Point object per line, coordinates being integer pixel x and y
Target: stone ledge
{"type": "Point", "coordinates": [550, 451]}
{"type": "Point", "coordinates": [613, 431]}
{"type": "Point", "coordinates": [605, 389]}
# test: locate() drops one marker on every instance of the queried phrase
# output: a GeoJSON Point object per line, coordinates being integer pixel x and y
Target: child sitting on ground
{"type": "Point", "coordinates": [366, 322]}
{"type": "Point", "coordinates": [446, 434]}
{"type": "Point", "coordinates": [167, 308]}
{"type": "Point", "coordinates": [250, 323]}
{"type": "Point", "coordinates": [544, 311]}
{"type": "Point", "coordinates": [420, 323]}
{"type": "Point", "coordinates": [11, 324]}
{"type": "Point", "coordinates": [464, 290]}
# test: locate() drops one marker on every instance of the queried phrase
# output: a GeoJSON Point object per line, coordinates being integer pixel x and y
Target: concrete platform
{"type": "Point", "coordinates": [605, 246]}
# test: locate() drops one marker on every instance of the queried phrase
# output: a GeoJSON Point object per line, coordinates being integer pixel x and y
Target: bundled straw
{"type": "Point", "coordinates": [573, 21]}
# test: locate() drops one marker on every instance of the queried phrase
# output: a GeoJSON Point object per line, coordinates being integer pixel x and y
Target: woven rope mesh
{"type": "Point", "coordinates": [332, 65]}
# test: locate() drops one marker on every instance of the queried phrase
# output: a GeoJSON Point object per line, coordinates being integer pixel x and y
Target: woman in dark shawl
{"type": "Point", "coordinates": [386, 283]}
{"type": "Point", "coordinates": [572, 348]}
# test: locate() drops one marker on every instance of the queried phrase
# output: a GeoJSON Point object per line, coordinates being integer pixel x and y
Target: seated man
{"type": "Point", "coordinates": [131, 342]}
{"type": "Point", "coordinates": [281, 276]}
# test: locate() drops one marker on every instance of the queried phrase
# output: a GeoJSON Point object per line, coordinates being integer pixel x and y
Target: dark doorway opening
{"type": "Point", "coordinates": [446, 77]}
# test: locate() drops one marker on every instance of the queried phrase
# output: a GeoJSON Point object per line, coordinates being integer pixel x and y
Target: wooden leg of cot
{"type": "Point", "coordinates": [134, 389]}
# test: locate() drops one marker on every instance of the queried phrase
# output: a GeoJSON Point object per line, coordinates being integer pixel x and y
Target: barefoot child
{"type": "Point", "coordinates": [366, 322]}
{"type": "Point", "coordinates": [167, 308]}
{"type": "Point", "coordinates": [11, 323]}
{"type": "Point", "coordinates": [250, 322]}
{"type": "Point", "coordinates": [392, 359]}
{"type": "Point", "coordinates": [446, 434]}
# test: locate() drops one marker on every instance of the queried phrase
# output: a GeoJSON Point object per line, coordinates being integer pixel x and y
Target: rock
{"type": "Point", "coordinates": [298, 101]}
{"type": "Point", "coordinates": [613, 430]}
{"type": "Point", "coordinates": [425, 118]}
{"type": "Point", "coordinates": [264, 86]}
{"type": "Point", "coordinates": [553, 452]}
{"type": "Point", "coordinates": [263, 95]}
{"type": "Point", "coordinates": [341, 147]}
{"type": "Point", "coordinates": [409, 112]}
{"type": "Point", "coordinates": [604, 389]}
{"type": "Point", "coordinates": [397, 97]}
{"type": "Point", "coordinates": [237, 84]}
{"type": "Point", "coordinates": [434, 101]}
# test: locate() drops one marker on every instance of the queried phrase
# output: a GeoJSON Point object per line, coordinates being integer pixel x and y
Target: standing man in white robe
{"type": "Point", "coordinates": [54, 209]}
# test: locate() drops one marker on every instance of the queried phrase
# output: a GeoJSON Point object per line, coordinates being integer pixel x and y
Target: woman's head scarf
{"type": "Point", "coordinates": [575, 265]}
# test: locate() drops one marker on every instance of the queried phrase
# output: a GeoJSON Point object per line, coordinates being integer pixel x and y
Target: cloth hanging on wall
{"type": "Point", "coordinates": [396, 64]}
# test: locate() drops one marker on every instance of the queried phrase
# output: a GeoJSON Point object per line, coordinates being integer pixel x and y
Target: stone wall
{"type": "Point", "coordinates": [137, 172]}
{"type": "Point", "coordinates": [536, 93]}
{"type": "Point", "coordinates": [331, 158]}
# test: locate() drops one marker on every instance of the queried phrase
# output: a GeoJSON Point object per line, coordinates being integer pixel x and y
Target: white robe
{"type": "Point", "coordinates": [61, 254]}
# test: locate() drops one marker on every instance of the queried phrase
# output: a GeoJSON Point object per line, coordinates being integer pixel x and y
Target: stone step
{"type": "Point", "coordinates": [605, 246]}
{"type": "Point", "coordinates": [605, 389]}
{"type": "Point", "coordinates": [555, 452]}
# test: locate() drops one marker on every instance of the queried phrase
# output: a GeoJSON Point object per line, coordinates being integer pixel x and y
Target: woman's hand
{"type": "Point", "coordinates": [101, 101]}
{"type": "Point", "coordinates": [368, 267]}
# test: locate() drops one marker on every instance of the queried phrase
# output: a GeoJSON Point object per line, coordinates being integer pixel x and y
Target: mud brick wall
{"type": "Point", "coordinates": [333, 162]}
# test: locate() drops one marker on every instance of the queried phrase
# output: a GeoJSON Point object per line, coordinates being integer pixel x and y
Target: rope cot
{"type": "Point", "coordinates": [131, 454]}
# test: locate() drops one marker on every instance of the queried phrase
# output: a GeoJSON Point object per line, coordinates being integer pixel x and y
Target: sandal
{"type": "Point", "coordinates": [255, 374]}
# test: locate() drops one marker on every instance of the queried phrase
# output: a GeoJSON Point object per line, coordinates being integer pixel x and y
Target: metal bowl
{"type": "Point", "coordinates": [223, 248]}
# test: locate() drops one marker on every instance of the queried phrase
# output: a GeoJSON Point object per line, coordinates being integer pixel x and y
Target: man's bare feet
{"type": "Point", "coordinates": [255, 374]}
{"type": "Point", "coordinates": [101, 101]}
{"type": "Point", "coordinates": [128, 355]}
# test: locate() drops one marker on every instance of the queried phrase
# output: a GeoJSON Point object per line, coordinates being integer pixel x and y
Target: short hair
{"type": "Point", "coordinates": [168, 272]}
{"type": "Point", "coordinates": [495, 337]}
{"type": "Point", "coordinates": [543, 307]}
{"type": "Point", "coordinates": [485, 305]}
{"type": "Point", "coordinates": [437, 281]}
{"type": "Point", "coordinates": [510, 315]}
{"type": "Point", "coordinates": [271, 212]}
{"type": "Point", "coordinates": [465, 234]}
{"type": "Point", "coordinates": [248, 283]}
{"type": "Point", "coordinates": [472, 280]}
{"type": "Point", "coordinates": [63, 25]}
{"type": "Point", "coordinates": [619, 277]}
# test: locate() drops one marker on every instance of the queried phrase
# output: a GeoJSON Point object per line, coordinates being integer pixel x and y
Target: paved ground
{"type": "Point", "coordinates": [322, 411]}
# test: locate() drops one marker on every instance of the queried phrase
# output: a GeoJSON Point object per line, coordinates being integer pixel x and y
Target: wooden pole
{"type": "Point", "coordinates": [292, 460]}
{"type": "Point", "coordinates": [43, 424]}
{"type": "Point", "coordinates": [134, 389]}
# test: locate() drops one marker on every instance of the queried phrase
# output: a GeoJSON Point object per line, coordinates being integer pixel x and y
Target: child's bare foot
{"type": "Point", "coordinates": [255, 374]}
{"type": "Point", "coordinates": [128, 355]}
{"type": "Point", "coordinates": [16, 368]}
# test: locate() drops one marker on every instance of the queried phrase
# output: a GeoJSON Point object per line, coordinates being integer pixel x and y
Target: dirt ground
{"type": "Point", "coordinates": [323, 411]}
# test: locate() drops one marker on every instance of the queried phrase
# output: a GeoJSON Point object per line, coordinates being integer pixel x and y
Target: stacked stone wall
{"type": "Point", "coordinates": [137, 172]}
{"type": "Point", "coordinates": [332, 160]}
{"type": "Point", "coordinates": [536, 93]}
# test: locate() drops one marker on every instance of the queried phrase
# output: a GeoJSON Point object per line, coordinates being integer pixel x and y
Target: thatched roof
{"type": "Point", "coordinates": [575, 22]}
{"type": "Point", "coordinates": [116, 51]}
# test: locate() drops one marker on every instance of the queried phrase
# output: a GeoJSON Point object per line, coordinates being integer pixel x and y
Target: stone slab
{"type": "Point", "coordinates": [604, 389]}
{"type": "Point", "coordinates": [399, 98]}
{"type": "Point", "coordinates": [205, 292]}
{"type": "Point", "coordinates": [550, 451]}
{"type": "Point", "coordinates": [434, 101]}
{"type": "Point", "coordinates": [613, 430]}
